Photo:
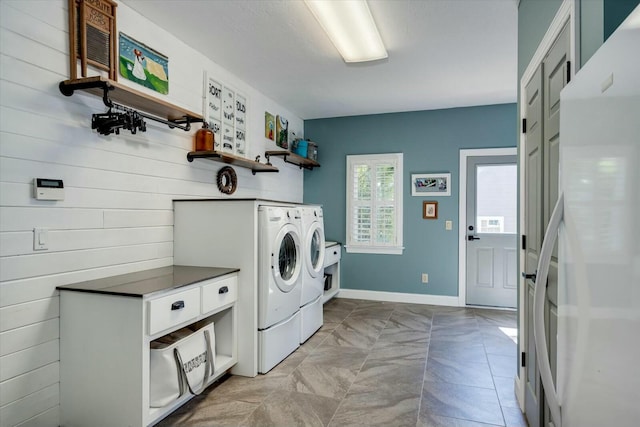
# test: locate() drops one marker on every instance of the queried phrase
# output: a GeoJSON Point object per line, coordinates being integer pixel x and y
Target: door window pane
{"type": "Point", "coordinates": [496, 198]}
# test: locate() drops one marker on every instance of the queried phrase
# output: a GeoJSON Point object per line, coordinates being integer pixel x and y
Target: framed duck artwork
{"type": "Point", "coordinates": [143, 65]}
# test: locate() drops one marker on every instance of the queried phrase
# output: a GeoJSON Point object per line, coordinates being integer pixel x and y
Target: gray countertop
{"type": "Point", "coordinates": [148, 282]}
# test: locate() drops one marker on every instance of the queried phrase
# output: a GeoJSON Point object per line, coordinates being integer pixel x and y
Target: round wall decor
{"type": "Point", "coordinates": [227, 180]}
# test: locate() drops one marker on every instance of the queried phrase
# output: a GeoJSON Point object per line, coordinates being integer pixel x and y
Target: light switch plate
{"type": "Point", "coordinates": [40, 239]}
{"type": "Point", "coordinates": [448, 225]}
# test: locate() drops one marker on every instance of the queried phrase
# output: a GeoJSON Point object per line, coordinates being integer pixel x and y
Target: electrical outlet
{"type": "Point", "coordinates": [425, 278]}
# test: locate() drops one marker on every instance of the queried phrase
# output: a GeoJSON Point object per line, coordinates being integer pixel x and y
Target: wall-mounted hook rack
{"type": "Point", "coordinates": [113, 93]}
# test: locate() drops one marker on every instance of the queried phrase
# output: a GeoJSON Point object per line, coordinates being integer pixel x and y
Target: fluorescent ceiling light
{"type": "Point", "coordinates": [350, 26]}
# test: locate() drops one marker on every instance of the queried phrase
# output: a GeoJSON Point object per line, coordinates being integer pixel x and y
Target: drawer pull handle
{"type": "Point", "coordinates": [335, 252]}
{"type": "Point", "coordinates": [223, 290]}
{"type": "Point", "coordinates": [178, 305]}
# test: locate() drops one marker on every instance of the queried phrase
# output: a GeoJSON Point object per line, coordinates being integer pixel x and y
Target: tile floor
{"type": "Point", "coordinates": [378, 364]}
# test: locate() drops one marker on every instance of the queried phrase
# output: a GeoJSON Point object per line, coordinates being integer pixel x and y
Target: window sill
{"type": "Point", "coordinates": [382, 250]}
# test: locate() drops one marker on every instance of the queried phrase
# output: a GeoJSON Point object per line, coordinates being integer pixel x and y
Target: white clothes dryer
{"type": "Point", "coordinates": [280, 265]}
{"type": "Point", "coordinates": [313, 249]}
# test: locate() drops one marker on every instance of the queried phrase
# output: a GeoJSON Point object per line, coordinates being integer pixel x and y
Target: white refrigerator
{"type": "Point", "coordinates": [597, 224]}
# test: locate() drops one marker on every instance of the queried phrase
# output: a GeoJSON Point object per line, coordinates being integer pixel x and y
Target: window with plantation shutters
{"type": "Point", "coordinates": [374, 203]}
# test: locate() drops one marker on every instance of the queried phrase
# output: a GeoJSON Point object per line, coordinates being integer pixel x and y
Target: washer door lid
{"type": "Point", "coordinates": [314, 250]}
{"type": "Point", "coordinates": [286, 258]}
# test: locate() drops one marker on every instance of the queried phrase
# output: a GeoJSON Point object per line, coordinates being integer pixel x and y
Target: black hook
{"type": "Point", "coordinates": [105, 95]}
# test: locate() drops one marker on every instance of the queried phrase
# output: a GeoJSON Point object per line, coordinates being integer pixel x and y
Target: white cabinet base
{"type": "Point", "coordinates": [104, 350]}
{"type": "Point", "coordinates": [332, 266]}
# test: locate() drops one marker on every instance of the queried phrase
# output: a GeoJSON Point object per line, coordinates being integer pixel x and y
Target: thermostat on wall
{"type": "Point", "coordinates": [48, 189]}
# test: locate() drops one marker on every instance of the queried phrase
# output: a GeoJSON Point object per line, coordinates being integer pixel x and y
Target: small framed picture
{"type": "Point", "coordinates": [282, 132]}
{"type": "Point", "coordinates": [269, 126]}
{"type": "Point", "coordinates": [431, 184]}
{"type": "Point", "coordinates": [429, 210]}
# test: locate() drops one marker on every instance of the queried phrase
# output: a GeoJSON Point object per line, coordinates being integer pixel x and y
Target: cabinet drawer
{"type": "Point", "coordinates": [219, 293]}
{"type": "Point", "coordinates": [332, 255]}
{"type": "Point", "coordinates": [173, 309]}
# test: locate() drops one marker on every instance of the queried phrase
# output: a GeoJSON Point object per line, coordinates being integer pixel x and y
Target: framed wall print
{"type": "Point", "coordinates": [228, 120]}
{"type": "Point", "coordinates": [225, 109]}
{"type": "Point", "coordinates": [269, 126]}
{"type": "Point", "coordinates": [213, 110]}
{"type": "Point", "coordinates": [282, 132]}
{"type": "Point", "coordinates": [241, 129]}
{"type": "Point", "coordinates": [429, 210]}
{"type": "Point", "coordinates": [431, 184]}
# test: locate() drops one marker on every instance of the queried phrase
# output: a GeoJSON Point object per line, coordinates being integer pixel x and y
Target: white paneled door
{"type": "Point", "coordinates": [533, 231]}
{"type": "Point", "coordinates": [491, 220]}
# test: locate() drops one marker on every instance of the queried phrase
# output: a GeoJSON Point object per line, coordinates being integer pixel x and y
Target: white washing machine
{"type": "Point", "coordinates": [313, 249]}
{"type": "Point", "coordinates": [280, 265]}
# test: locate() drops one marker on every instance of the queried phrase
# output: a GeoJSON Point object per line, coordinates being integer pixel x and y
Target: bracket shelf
{"type": "Point", "coordinates": [217, 156]}
{"type": "Point", "coordinates": [111, 91]}
{"type": "Point", "coordinates": [293, 159]}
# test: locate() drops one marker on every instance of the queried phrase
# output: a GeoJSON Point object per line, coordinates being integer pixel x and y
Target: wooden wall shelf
{"type": "Point", "coordinates": [293, 159]}
{"type": "Point", "coordinates": [110, 90]}
{"type": "Point", "coordinates": [232, 160]}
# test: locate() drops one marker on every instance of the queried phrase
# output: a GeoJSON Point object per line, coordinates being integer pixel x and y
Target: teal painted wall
{"type": "Point", "coordinates": [534, 18]}
{"type": "Point", "coordinates": [616, 11]}
{"type": "Point", "coordinates": [599, 18]}
{"type": "Point", "coordinates": [591, 28]}
{"type": "Point", "coordinates": [430, 141]}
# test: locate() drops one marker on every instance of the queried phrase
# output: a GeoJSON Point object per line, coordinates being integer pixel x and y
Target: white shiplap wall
{"type": "Point", "coordinates": [117, 214]}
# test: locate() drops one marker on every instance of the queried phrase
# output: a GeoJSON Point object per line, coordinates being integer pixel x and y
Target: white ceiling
{"type": "Point", "coordinates": [442, 53]}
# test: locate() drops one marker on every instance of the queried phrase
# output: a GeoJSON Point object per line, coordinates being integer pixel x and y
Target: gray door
{"type": "Point", "coordinates": [533, 237]}
{"type": "Point", "coordinates": [542, 140]}
{"type": "Point", "coordinates": [492, 278]}
{"type": "Point", "coordinates": [556, 71]}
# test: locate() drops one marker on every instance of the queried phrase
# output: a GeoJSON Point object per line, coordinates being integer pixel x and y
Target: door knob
{"type": "Point", "coordinates": [470, 238]}
{"type": "Point", "coordinates": [531, 276]}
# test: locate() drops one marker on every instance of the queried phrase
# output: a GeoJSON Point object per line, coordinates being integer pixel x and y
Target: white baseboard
{"type": "Point", "coordinates": [398, 297]}
{"type": "Point", "coordinates": [490, 307]}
